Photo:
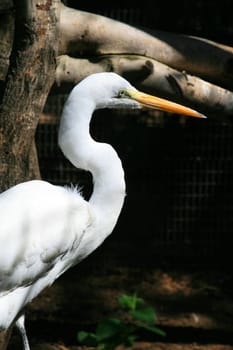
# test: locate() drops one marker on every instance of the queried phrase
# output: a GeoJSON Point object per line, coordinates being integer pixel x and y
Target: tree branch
{"type": "Point", "coordinates": [163, 64]}
{"type": "Point", "coordinates": [84, 34]}
{"type": "Point", "coordinates": [151, 76]}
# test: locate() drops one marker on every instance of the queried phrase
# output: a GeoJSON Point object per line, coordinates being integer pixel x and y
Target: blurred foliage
{"type": "Point", "coordinates": [112, 332]}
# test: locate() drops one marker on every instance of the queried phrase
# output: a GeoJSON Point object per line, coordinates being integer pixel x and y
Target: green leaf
{"type": "Point", "coordinates": [146, 314]}
{"type": "Point", "coordinates": [108, 329]}
{"type": "Point", "coordinates": [113, 331]}
{"type": "Point", "coordinates": [130, 301]}
{"type": "Point", "coordinates": [88, 339]}
{"type": "Point", "coordinates": [154, 330]}
{"type": "Point", "coordinates": [129, 341]}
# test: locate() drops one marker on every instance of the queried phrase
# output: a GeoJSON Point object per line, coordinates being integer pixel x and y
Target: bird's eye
{"type": "Point", "coordinates": [121, 94]}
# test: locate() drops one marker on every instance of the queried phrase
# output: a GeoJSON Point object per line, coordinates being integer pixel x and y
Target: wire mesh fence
{"type": "Point", "coordinates": [179, 183]}
{"type": "Point", "coordinates": [179, 171]}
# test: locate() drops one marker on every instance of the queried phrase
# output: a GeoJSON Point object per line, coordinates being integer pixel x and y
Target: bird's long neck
{"type": "Point", "coordinates": [98, 158]}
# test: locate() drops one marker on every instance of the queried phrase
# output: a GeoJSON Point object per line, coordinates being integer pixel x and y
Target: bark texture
{"type": "Point", "coordinates": [190, 70]}
{"type": "Point", "coordinates": [86, 34]}
{"type": "Point", "coordinates": [28, 82]}
{"type": "Point", "coordinates": [153, 77]}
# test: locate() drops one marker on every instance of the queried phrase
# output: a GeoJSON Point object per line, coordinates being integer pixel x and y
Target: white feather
{"type": "Point", "coordinates": [45, 229]}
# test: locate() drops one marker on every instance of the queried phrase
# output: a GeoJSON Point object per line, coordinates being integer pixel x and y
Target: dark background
{"type": "Point", "coordinates": [210, 19]}
{"type": "Point", "coordinates": [179, 204]}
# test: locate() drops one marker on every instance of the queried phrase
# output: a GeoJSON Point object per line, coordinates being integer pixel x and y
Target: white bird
{"type": "Point", "coordinates": [46, 229]}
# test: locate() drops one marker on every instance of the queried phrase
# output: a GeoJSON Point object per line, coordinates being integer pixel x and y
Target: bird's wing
{"type": "Point", "coordinates": [39, 225]}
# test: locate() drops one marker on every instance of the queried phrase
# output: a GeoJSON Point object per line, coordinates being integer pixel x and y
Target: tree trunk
{"type": "Point", "coordinates": [30, 76]}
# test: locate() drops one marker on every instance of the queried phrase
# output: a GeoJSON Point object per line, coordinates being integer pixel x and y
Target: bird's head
{"type": "Point", "coordinates": [110, 90]}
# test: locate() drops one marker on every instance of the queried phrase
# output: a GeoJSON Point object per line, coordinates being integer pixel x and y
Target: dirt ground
{"type": "Point", "coordinates": [195, 307]}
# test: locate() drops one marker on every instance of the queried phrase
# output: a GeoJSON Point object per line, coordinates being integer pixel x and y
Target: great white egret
{"type": "Point", "coordinates": [46, 229]}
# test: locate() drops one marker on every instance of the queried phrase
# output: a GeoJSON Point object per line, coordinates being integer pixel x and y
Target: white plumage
{"type": "Point", "coordinates": [40, 231]}
{"type": "Point", "coordinates": [45, 229]}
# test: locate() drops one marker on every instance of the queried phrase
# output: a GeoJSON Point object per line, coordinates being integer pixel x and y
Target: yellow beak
{"type": "Point", "coordinates": [161, 104]}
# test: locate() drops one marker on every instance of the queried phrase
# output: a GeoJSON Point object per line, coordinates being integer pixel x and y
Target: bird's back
{"type": "Point", "coordinates": [41, 228]}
